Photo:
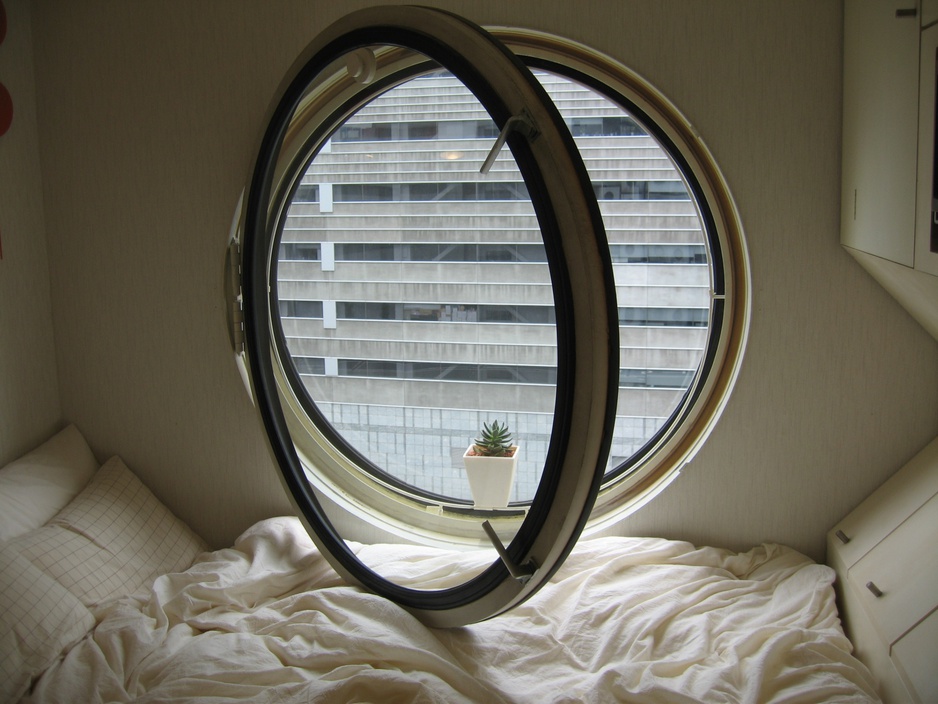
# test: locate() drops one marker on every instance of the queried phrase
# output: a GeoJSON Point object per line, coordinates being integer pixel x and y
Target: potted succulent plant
{"type": "Point", "coordinates": [491, 461]}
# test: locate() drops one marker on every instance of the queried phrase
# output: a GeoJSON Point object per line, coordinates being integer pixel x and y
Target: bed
{"type": "Point", "coordinates": [107, 596]}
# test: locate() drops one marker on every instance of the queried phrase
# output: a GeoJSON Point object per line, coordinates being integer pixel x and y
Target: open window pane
{"type": "Point", "coordinates": [365, 310]}
{"type": "Point", "coordinates": [440, 312]}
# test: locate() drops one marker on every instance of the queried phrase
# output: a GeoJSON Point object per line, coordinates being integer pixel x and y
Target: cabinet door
{"type": "Point", "coordinates": [881, 60]}
{"type": "Point", "coordinates": [926, 216]}
{"type": "Point", "coordinates": [914, 655]}
{"type": "Point", "coordinates": [896, 579]}
{"type": "Point", "coordinates": [880, 514]}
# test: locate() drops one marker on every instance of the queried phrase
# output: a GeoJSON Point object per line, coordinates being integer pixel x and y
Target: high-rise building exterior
{"type": "Point", "coordinates": [415, 295]}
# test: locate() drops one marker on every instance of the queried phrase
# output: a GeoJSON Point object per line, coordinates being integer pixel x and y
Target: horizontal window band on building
{"type": "Point", "coordinates": [423, 312]}
{"type": "Point", "coordinates": [482, 313]}
{"type": "Point", "coordinates": [658, 253]}
{"type": "Point", "coordinates": [443, 252]}
{"type": "Point", "coordinates": [632, 219]}
{"type": "Point", "coordinates": [306, 193]}
{"type": "Point", "coordinates": [301, 309]}
{"type": "Point", "coordinates": [482, 191]}
{"type": "Point", "coordinates": [462, 191]}
{"type": "Point", "coordinates": [451, 162]}
{"type": "Point", "coordinates": [485, 253]}
{"type": "Point", "coordinates": [478, 373]}
{"type": "Point", "coordinates": [665, 317]}
{"type": "Point", "coordinates": [614, 126]}
{"type": "Point", "coordinates": [486, 313]}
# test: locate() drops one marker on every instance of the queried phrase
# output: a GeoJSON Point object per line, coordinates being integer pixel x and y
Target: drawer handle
{"type": "Point", "coordinates": [876, 591]}
{"type": "Point", "coordinates": [844, 538]}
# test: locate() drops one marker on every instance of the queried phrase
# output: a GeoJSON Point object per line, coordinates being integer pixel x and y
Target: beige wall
{"type": "Point", "coordinates": [148, 114]}
{"type": "Point", "coordinates": [29, 392]}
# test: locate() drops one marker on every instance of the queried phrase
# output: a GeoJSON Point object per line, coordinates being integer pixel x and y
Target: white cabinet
{"type": "Point", "coordinates": [889, 193]}
{"type": "Point", "coordinates": [916, 654]}
{"type": "Point", "coordinates": [886, 557]}
{"type": "Point", "coordinates": [880, 129]}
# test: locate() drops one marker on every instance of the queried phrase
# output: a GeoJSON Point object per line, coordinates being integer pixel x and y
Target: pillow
{"type": "Point", "coordinates": [39, 620]}
{"type": "Point", "coordinates": [38, 485]}
{"type": "Point", "coordinates": [114, 538]}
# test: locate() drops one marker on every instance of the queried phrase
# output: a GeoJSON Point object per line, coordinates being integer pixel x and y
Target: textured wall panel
{"type": "Point", "coordinates": [29, 392]}
{"type": "Point", "coordinates": [149, 113]}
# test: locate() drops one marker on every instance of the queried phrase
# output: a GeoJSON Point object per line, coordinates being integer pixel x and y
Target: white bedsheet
{"type": "Point", "coordinates": [635, 620]}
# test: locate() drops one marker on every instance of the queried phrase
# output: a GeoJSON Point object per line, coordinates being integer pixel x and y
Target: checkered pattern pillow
{"type": "Point", "coordinates": [113, 539]}
{"type": "Point", "coordinates": [39, 620]}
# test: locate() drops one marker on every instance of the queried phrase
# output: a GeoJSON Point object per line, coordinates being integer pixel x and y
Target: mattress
{"type": "Point", "coordinates": [114, 599]}
{"type": "Point", "coordinates": [625, 619]}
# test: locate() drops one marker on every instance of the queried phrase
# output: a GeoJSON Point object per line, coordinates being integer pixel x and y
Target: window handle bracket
{"type": "Point", "coordinates": [522, 572]}
{"type": "Point", "coordinates": [522, 124]}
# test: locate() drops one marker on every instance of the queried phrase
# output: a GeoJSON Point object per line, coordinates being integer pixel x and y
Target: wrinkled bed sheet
{"type": "Point", "coordinates": [634, 620]}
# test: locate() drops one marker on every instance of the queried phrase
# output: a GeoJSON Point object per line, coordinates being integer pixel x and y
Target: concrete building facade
{"type": "Point", "coordinates": [414, 292]}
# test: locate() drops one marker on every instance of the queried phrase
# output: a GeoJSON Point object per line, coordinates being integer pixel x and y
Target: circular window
{"type": "Point", "coordinates": [440, 237]}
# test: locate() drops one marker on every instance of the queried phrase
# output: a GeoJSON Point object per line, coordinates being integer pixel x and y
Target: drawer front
{"type": "Point", "coordinates": [897, 579]}
{"type": "Point", "coordinates": [888, 507]}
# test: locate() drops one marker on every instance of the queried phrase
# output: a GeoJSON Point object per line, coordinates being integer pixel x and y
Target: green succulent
{"type": "Point", "coordinates": [495, 440]}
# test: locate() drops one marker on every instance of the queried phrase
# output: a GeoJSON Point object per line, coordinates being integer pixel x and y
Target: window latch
{"type": "Point", "coordinates": [522, 572]}
{"type": "Point", "coordinates": [518, 123]}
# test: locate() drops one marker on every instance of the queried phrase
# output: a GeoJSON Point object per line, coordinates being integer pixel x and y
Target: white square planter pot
{"type": "Point", "coordinates": [490, 478]}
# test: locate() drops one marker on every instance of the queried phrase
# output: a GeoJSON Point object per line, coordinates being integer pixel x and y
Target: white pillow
{"type": "Point", "coordinates": [39, 620]}
{"type": "Point", "coordinates": [114, 538]}
{"type": "Point", "coordinates": [38, 485]}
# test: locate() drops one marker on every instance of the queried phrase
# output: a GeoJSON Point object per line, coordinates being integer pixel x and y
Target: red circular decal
{"type": "Point", "coordinates": [6, 109]}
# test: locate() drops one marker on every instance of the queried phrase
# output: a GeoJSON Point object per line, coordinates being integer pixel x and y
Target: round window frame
{"type": "Point", "coordinates": [411, 517]}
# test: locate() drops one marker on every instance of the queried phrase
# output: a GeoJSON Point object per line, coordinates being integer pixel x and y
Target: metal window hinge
{"type": "Point", "coordinates": [517, 123]}
{"type": "Point", "coordinates": [522, 572]}
{"type": "Point", "coordinates": [362, 64]}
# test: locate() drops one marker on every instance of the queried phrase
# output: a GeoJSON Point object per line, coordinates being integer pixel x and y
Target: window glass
{"type": "Point", "coordinates": [424, 261]}
{"type": "Point", "coordinates": [408, 294]}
